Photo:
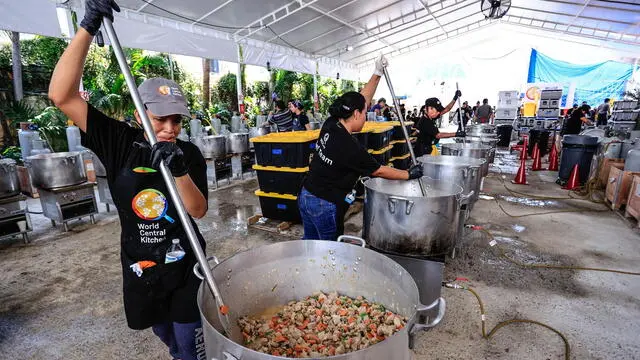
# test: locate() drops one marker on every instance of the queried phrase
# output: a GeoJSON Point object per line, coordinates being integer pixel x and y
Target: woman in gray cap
{"type": "Point", "coordinates": [159, 287]}
{"type": "Point", "coordinates": [426, 128]}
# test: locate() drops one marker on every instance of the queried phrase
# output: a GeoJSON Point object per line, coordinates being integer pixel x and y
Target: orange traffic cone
{"type": "Point", "coordinates": [521, 175]}
{"type": "Point", "coordinates": [553, 157]}
{"type": "Point", "coordinates": [574, 179]}
{"type": "Point", "coordinates": [537, 161]}
{"type": "Point", "coordinates": [523, 154]}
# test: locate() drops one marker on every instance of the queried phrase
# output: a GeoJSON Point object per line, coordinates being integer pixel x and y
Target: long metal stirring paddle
{"type": "Point", "coordinates": [168, 178]}
{"type": "Point", "coordinates": [396, 103]}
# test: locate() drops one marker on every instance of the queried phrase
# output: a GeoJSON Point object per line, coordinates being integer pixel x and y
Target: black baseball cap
{"type": "Point", "coordinates": [434, 103]}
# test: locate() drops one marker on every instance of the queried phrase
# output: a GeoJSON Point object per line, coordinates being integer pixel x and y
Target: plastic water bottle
{"type": "Point", "coordinates": [175, 252]}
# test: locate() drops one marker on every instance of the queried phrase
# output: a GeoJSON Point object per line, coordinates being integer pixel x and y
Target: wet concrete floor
{"type": "Point", "coordinates": [60, 295]}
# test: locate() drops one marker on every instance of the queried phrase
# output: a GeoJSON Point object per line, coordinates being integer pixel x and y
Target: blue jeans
{"type": "Point", "coordinates": [185, 341]}
{"type": "Point", "coordinates": [318, 217]}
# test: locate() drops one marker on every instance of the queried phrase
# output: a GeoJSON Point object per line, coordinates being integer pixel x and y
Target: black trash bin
{"type": "Point", "coordinates": [504, 135]}
{"type": "Point", "coordinates": [577, 149]}
{"type": "Point", "coordinates": [540, 137]}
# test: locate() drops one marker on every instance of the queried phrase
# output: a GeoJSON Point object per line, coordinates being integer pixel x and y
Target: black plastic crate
{"type": "Point", "coordinates": [291, 149]}
{"type": "Point", "coordinates": [397, 133]}
{"type": "Point", "coordinates": [382, 156]}
{"type": "Point", "coordinates": [280, 207]}
{"type": "Point", "coordinates": [280, 180]}
{"type": "Point", "coordinates": [362, 137]}
{"type": "Point", "coordinates": [400, 148]}
{"type": "Point", "coordinates": [402, 162]}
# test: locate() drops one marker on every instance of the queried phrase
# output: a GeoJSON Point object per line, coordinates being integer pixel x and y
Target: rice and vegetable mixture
{"type": "Point", "coordinates": [320, 325]}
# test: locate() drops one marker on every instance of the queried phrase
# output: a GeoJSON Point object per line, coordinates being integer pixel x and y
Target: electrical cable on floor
{"type": "Point", "coordinates": [494, 243]}
{"type": "Point", "coordinates": [579, 210]}
{"type": "Point", "coordinates": [500, 325]}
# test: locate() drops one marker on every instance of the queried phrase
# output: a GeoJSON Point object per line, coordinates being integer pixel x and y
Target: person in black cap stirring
{"type": "Point", "coordinates": [426, 128]}
{"type": "Point", "coordinates": [159, 287]}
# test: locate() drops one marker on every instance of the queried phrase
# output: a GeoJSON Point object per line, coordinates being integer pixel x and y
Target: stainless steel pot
{"type": "Point", "coordinates": [239, 143]}
{"type": "Point", "coordinates": [49, 171]}
{"type": "Point", "coordinates": [480, 129]}
{"type": "Point", "coordinates": [488, 140]}
{"type": "Point", "coordinates": [273, 275]}
{"type": "Point", "coordinates": [315, 125]}
{"type": "Point", "coordinates": [214, 146]}
{"type": "Point", "coordinates": [398, 219]}
{"type": "Point", "coordinates": [257, 131]}
{"type": "Point", "coordinates": [473, 150]}
{"type": "Point", "coordinates": [464, 171]}
{"type": "Point", "coordinates": [9, 181]}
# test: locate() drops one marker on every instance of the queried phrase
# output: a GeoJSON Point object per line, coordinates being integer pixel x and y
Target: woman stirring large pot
{"type": "Point", "coordinates": [339, 161]}
{"type": "Point", "coordinates": [158, 287]}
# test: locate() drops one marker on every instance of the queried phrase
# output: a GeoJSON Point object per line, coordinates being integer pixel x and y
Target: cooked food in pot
{"type": "Point", "coordinates": [320, 325]}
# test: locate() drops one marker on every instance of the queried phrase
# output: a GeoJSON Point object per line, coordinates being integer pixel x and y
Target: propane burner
{"type": "Point", "coordinates": [14, 217]}
{"type": "Point", "coordinates": [233, 166]}
{"type": "Point", "coordinates": [69, 202]}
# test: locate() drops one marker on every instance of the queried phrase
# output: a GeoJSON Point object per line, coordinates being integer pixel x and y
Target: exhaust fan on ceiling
{"type": "Point", "coordinates": [495, 9]}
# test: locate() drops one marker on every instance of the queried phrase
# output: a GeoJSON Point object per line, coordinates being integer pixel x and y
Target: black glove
{"type": "Point", "coordinates": [95, 11]}
{"type": "Point", "coordinates": [457, 95]}
{"type": "Point", "coordinates": [172, 156]}
{"type": "Point", "coordinates": [415, 172]}
{"type": "Point", "coordinates": [461, 133]}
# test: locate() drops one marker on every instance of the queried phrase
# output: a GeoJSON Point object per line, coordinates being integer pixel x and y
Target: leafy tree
{"type": "Point", "coordinates": [225, 92]}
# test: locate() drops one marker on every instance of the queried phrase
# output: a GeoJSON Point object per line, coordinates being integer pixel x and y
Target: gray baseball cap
{"type": "Point", "coordinates": [163, 97]}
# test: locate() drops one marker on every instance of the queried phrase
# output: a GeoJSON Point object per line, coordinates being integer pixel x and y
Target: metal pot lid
{"type": "Point", "coordinates": [7, 162]}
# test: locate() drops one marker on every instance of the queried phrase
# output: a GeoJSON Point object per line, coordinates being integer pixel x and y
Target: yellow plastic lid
{"type": "Point", "coordinates": [276, 195]}
{"type": "Point", "coordinates": [376, 127]}
{"type": "Point", "coordinates": [281, 169]}
{"type": "Point", "coordinates": [381, 151]}
{"type": "Point", "coordinates": [288, 137]}
{"type": "Point", "coordinates": [401, 157]}
{"type": "Point", "coordinates": [397, 123]}
{"type": "Point", "coordinates": [399, 141]}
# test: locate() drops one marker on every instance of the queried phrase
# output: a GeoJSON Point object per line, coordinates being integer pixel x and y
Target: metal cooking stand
{"type": "Point", "coordinates": [13, 211]}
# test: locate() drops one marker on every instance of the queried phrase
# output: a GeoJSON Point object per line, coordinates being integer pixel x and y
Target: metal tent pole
{"type": "Point", "coordinates": [396, 103]}
{"type": "Point", "coordinates": [166, 174]}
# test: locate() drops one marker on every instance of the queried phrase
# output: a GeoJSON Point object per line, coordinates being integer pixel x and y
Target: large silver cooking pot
{"type": "Point", "coordinates": [488, 140]}
{"type": "Point", "coordinates": [257, 131]}
{"type": "Point", "coordinates": [398, 219]}
{"type": "Point", "coordinates": [464, 171]}
{"type": "Point", "coordinates": [315, 125]}
{"type": "Point", "coordinates": [49, 171]}
{"type": "Point", "coordinates": [480, 129]}
{"type": "Point", "coordinates": [473, 150]}
{"type": "Point", "coordinates": [214, 146]}
{"type": "Point", "coordinates": [273, 275]}
{"type": "Point", "coordinates": [239, 143]}
{"type": "Point", "coordinates": [9, 181]}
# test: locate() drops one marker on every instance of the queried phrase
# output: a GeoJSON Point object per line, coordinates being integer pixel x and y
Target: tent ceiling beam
{"type": "Point", "coordinates": [417, 21]}
{"type": "Point", "coordinates": [146, 3]}
{"type": "Point", "coordinates": [312, 20]}
{"type": "Point", "coordinates": [273, 17]}
{"type": "Point", "coordinates": [591, 6]}
{"type": "Point", "coordinates": [426, 7]}
{"type": "Point", "coordinates": [431, 41]}
{"type": "Point", "coordinates": [566, 15]}
{"type": "Point", "coordinates": [348, 24]}
{"type": "Point", "coordinates": [583, 31]}
{"type": "Point", "coordinates": [216, 9]}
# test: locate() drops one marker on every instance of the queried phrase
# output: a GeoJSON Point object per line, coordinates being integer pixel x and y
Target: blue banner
{"type": "Point", "coordinates": [593, 83]}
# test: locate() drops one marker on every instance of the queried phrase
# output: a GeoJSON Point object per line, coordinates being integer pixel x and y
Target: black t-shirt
{"type": "Point", "coordinates": [574, 124]}
{"type": "Point", "coordinates": [428, 132]}
{"type": "Point", "coordinates": [300, 122]}
{"type": "Point", "coordinates": [337, 164]}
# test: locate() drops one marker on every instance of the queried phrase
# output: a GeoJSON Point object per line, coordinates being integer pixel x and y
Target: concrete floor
{"type": "Point", "coordinates": [60, 295]}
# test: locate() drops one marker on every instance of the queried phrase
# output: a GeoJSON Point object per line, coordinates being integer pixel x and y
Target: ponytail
{"type": "Point", "coordinates": [344, 106]}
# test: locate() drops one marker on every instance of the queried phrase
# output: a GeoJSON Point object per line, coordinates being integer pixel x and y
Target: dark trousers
{"type": "Point", "coordinates": [185, 341]}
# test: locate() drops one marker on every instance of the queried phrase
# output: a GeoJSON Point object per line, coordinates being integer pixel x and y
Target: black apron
{"type": "Point", "coordinates": [165, 292]}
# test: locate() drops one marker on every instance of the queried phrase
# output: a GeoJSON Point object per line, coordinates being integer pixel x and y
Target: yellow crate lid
{"type": "Point", "coordinates": [276, 195]}
{"type": "Point", "coordinates": [397, 123]}
{"type": "Point", "coordinates": [402, 157]}
{"type": "Point", "coordinates": [376, 127]}
{"type": "Point", "coordinates": [381, 151]}
{"type": "Point", "coordinates": [288, 137]}
{"type": "Point", "coordinates": [402, 141]}
{"type": "Point", "coordinates": [281, 169]}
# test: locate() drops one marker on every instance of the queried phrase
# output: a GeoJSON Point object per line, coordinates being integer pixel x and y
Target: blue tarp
{"type": "Point", "coordinates": [593, 83]}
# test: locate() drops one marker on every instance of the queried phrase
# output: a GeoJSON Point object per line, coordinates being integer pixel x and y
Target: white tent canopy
{"type": "Point", "coordinates": [341, 36]}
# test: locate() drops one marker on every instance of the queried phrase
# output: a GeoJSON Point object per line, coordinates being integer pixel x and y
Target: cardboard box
{"type": "Point", "coordinates": [618, 186]}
